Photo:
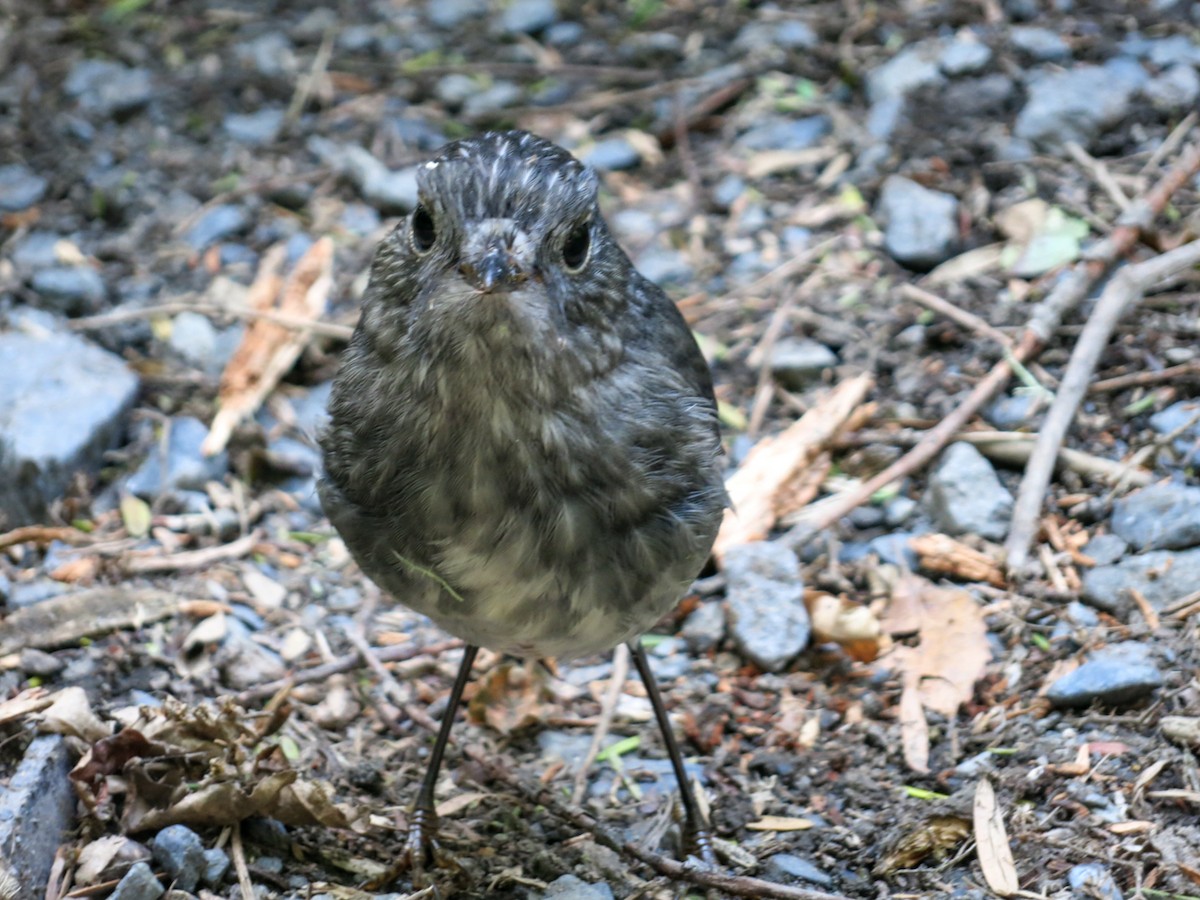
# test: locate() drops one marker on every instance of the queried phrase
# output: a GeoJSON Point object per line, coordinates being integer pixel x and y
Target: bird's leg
{"type": "Point", "coordinates": [420, 845]}
{"type": "Point", "coordinates": [698, 840]}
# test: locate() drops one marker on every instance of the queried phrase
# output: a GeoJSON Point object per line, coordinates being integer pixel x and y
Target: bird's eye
{"type": "Point", "coordinates": [422, 234]}
{"type": "Point", "coordinates": [577, 248]}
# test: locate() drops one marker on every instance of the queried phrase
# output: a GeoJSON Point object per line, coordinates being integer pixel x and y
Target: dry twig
{"type": "Point", "coordinates": [620, 671]}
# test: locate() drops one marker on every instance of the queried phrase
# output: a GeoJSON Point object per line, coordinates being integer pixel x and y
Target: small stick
{"type": "Point", "coordinates": [116, 317]}
{"type": "Point", "coordinates": [1123, 292]}
{"type": "Point", "coordinates": [1144, 379]}
{"type": "Point", "coordinates": [620, 671]}
{"type": "Point", "coordinates": [955, 314]}
{"type": "Point", "coordinates": [347, 663]}
{"type": "Point", "coordinates": [1100, 173]}
{"type": "Point", "coordinates": [238, 852]}
{"type": "Point", "coordinates": [191, 560]}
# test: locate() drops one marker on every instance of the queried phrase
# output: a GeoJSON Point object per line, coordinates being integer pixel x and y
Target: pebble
{"type": "Point", "coordinates": [454, 89]}
{"type": "Point", "coordinates": [785, 866]}
{"type": "Point", "coordinates": [966, 497]}
{"type": "Point", "coordinates": [1161, 576]}
{"type": "Point", "coordinates": [964, 57]}
{"type": "Point", "coordinates": [1177, 49]}
{"type": "Point", "coordinates": [898, 511]}
{"type": "Point", "coordinates": [256, 129]}
{"type": "Point", "coordinates": [60, 410]}
{"type": "Point", "coordinates": [661, 784]}
{"type": "Point", "coordinates": [70, 290]}
{"type": "Point", "coordinates": [184, 467]}
{"type": "Point", "coordinates": [37, 250]}
{"type": "Point", "coordinates": [727, 190]}
{"type": "Point", "coordinates": [664, 266]}
{"type": "Point", "coordinates": [564, 34]}
{"type": "Point", "coordinates": [180, 853]}
{"type": "Point", "coordinates": [37, 810]}
{"type": "Point", "coordinates": [922, 224]}
{"type": "Point", "coordinates": [1077, 105]}
{"type": "Point", "coordinates": [1105, 549]}
{"type": "Point", "coordinates": [39, 663]}
{"type": "Point", "coordinates": [790, 34]}
{"type": "Point", "coordinates": [911, 68]}
{"type": "Point", "coordinates": [1010, 411]}
{"type": "Point", "coordinates": [216, 865]}
{"type": "Point", "coordinates": [139, 883]}
{"type": "Point", "coordinates": [528, 16]}
{"type": "Point", "coordinates": [1159, 517]}
{"type": "Point", "coordinates": [1178, 416]}
{"type": "Point", "coordinates": [1114, 676]}
{"type": "Point", "coordinates": [612, 154]}
{"type": "Point", "coordinates": [1092, 881]}
{"type": "Point", "coordinates": [271, 55]}
{"type": "Point", "coordinates": [704, 628]}
{"type": "Point", "coordinates": [768, 620]}
{"type": "Point", "coordinates": [1040, 44]}
{"type": "Point", "coordinates": [222, 221]}
{"type": "Point", "coordinates": [786, 134]}
{"type": "Point", "coordinates": [389, 190]}
{"type": "Point", "coordinates": [20, 187]}
{"type": "Point", "coordinates": [797, 363]}
{"type": "Point", "coordinates": [569, 887]}
{"type": "Point", "coordinates": [895, 549]}
{"type": "Point", "coordinates": [451, 13]}
{"type": "Point", "coordinates": [494, 98]}
{"type": "Point", "coordinates": [108, 88]}
{"type": "Point", "coordinates": [1174, 90]}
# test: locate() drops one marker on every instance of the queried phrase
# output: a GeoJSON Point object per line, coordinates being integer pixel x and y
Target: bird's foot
{"type": "Point", "coordinates": [698, 845]}
{"type": "Point", "coordinates": [420, 854]}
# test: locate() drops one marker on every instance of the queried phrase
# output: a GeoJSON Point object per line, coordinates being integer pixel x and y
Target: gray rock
{"type": "Point", "coordinates": [908, 70]}
{"type": "Point", "coordinates": [496, 97]}
{"type": "Point", "coordinates": [180, 853]}
{"type": "Point", "coordinates": [797, 363]}
{"type": "Point", "coordinates": [787, 866]}
{"type": "Point", "coordinates": [882, 119]}
{"type": "Point", "coordinates": [30, 593]}
{"type": "Point", "coordinates": [1092, 881]}
{"type": "Point", "coordinates": [790, 34]}
{"type": "Point", "coordinates": [454, 88]}
{"type": "Point", "coordinates": [449, 13]}
{"type": "Point", "coordinates": [662, 784]}
{"type": "Point", "coordinates": [1010, 411]}
{"type": "Point", "coordinates": [966, 497]}
{"type": "Point", "coordinates": [704, 628]}
{"type": "Point", "coordinates": [1041, 44]}
{"type": "Point", "coordinates": [765, 597]}
{"type": "Point", "coordinates": [922, 225]}
{"type": "Point", "coordinates": [664, 266]}
{"type": "Point", "coordinates": [898, 511]}
{"type": "Point", "coordinates": [1105, 549]}
{"type": "Point", "coordinates": [564, 34]}
{"type": "Point", "coordinates": [964, 57]}
{"type": "Point", "coordinates": [1174, 90]}
{"type": "Point", "coordinates": [1161, 576]}
{"type": "Point", "coordinates": [786, 134]}
{"type": "Point", "coordinates": [194, 338]}
{"type": "Point", "coordinates": [1175, 50]}
{"type": "Point", "coordinates": [256, 129]}
{"type": "Point", "coordinates": [60, 410]}
{"type": "Point", "coordinates": [387, 189]}
{"type": "Point", "coordinates": [528, 16]}
{"type": "Point", "coordinates": [37, 810]}
{"type": "Point", "coordinates": [180, 466]}
{"type": "Point", "coordinates": [1077, 105]}
{"type": "Point", "coordinates": [1159, 517]}
{"type": "Point", "coordinates": [612, 154]}
{"type": "Point", "coordinates": [1115, 676]}
{"type": "Point", "coordinates": [895, 549]}
{"type": "Point", "coordinates": [214, 225]}
{"type": "Point", "coordinates": [216, 865]}
{"type": "Point", "coordinates": [37, 250]}
{"type": "Point", "coordinates": [139, 883]}
{"type": "Point", "coordinates": [727, 190]}
{"type": "Point", "coordinates": [1180, 416]}
{"type": "Point", "coordinates": [271, 55]}
{"type": "Point", "coordinates": [20, 188]}
{"type": "Point", "coordinates": [39, 663]}
{"type": "Point", "coordinates": [568, 887]}
{"type": "Point", "coordinates": [109, 89]}
{"type": "Point", "coordinates": [70, 290]}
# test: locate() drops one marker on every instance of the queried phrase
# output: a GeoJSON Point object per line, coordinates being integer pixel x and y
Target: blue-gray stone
{"type": "Point", "coordinates": [216, 864]}
{"type": "Point", "coordinates": [564, 34]}
{"type": "Point", "coordinates": [612, 154]}
{"type": "Point", "coordinates": [496, 97]}
{"type": "Point", "coordinates": [768, 620]}
{"type": "Point", "coordinates": [37, 810]}
{"type": "Point", "coordinates": [786, 134]}
{"type": "Point", "coordinates": [911, 68]}
{"type": "Point", "coordinates": [1174, 90]}
{"type": "Point", "coordinates": [194, 338]}
{"type": "Point", "coordinates": [1160, 576]}
{"type": "Point", "coordinates": [1159, 517]}
{"type": "Point", "coordinates": [727, 190]}
{"type": "Point", "coordinates": [270, 54]}
{"type": "Point", "coordinates": [257, 128]}
{"type": "Point", "coordinates": [20, 187]}
{"type": "Point", "coordinates": [898, 511]}
{"type": "Point", "coordinates": [922, 225]}
{"type": "Point", "coordinates": [60, 410]}
{"type": "Point", "coordinates": [214, 225]}
{"type": "Point", "coordinates": [1177, 49]}
{"type": "Point", "coordinates": [1010, 411]}
{"type": "Point", "coordinates": [528, 16]}
{"type": "Point", "coordinates": [1077, 105]}
{"type": "Point", "coordinates": [139, 883]}
{"type": "Point", "coordinates": [1041, 44]}
{"type": "Point", "coordinates": [798, 363]}
{"type": "Point", "coordinates": [1105, 549]}
{"type": "Point", "coordinates": [1115, 676]}
{"type": "Point", "coordinates": [964, 57]}
{"type": "Point", "coordinates": [71, 290]}
{"type": "Point", "coordinates": [1092, 881]}
{"type": "Point", "coordinates": [662, 785]}
{"type": "Point", "coordinates": [386, 189]}
{"type": "Point", "coordinates": [966, 497]}
{"type": "Point", "coordinates": [1184, 417]}
{"type": "Point", "coordinates": [704, 628]}
{"type": "Point", "coordinates": [449, 13]}
{"type": "Point", "coordinates": [180, 853]}
{"type": "Point", "coordinates": [180, 465]}
{"type": "Point", "coordinates": [895, 549]}
{"type": "Point", "coordinates": [784, 866]}
{"type": "Point", "coordinates": [883, 117]}
{"type": "Point", "coordinates": [664, 266]}
{"type": "Point", "coordinates": [568, 887]}
{"type": "Point", "coordinates": [37, 250]}
{"type": "Point", "coordinates": [360, 219]}
{"type": "Point", "coordinates": [454, 88]}
{"type": "Point", "coordinates": [109, 88]}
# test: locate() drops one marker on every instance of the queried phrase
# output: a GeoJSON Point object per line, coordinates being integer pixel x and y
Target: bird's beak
{"type": "Point", "coordinates": [497, 269]}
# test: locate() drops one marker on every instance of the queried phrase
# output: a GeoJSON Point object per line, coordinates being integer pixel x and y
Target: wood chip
{"type": "Point", "coordinates": [943, 555]}
{"type": "Point", "coordinates": [63, 620]}
{"type": "Point", "coordinates": [779, 823]}
{"type": "Point", "coordinates": [991, 841]}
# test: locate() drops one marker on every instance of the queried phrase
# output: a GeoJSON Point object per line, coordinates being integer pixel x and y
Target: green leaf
{"type": "Point", "coordinates": [291, 750]}
{"type": "Point", "coordinates": [135, 513]}
{"type": "Point", "coordinates": [617, 750]}
{"type": "Point", "coordinates": [923, 793]}
{"type": "Point", "coordinates": [1039, 640]}
{"type": "Point", "coordinates": [731, 416]}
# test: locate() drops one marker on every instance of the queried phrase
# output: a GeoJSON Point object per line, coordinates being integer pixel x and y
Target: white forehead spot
{"type": "Point", "coordinates": [432, 164]}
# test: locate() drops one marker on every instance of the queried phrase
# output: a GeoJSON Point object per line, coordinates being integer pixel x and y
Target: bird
{"type": "Point", "coordinates": [523, 442]}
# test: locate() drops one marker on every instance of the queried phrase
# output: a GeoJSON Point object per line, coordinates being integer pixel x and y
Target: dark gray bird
{"type": "Point", "coordinates": [523, 442]}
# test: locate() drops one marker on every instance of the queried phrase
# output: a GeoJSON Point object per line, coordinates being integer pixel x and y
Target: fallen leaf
{"type": "Point", "coordinates": [943, 555]}
{"type": "Point", "coordinates": [991, 843]}
{"type": "Point", "coordinates": [936, 836]}
{"type": "Point", "coordinates": [844, 622]}
{"type": "Point", "coordinates": [71, 714]}
{"type": "Point", "coordinates": [508, 698]}
{"type": "Point", "coordinates": [135, 515]}
{"type": "Point", "coordinates": [914, 729]}
{"type": "Point", "coordinates": [779, 823]}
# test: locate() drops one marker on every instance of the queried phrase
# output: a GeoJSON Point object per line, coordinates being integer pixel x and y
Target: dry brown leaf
{"type": "Point", "coordinates": [71, 714]}
{"type": "Point", "coordinates": [765, 487]}
{"type": "Point", "coordinates": [508, 698]}
{"type": "Point", "coordinates": [914, 728]}
{"type": "Point", "coordinates": [943, 555]}
{"type": "Point", "coordinates": [953, 652]}
{"type": "Point", "coordinates": [269, 349]}
{"type": "Point", "coordinates": [459, 802]}
{"type": "Point", "coordinates": [935, 836]}
{"type": "Point", "coordinates": [1181, 729]}
{"type": "Point", "coordinates": [991, 843]}
{"type": "Point", "coordinates": [29, 701]}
